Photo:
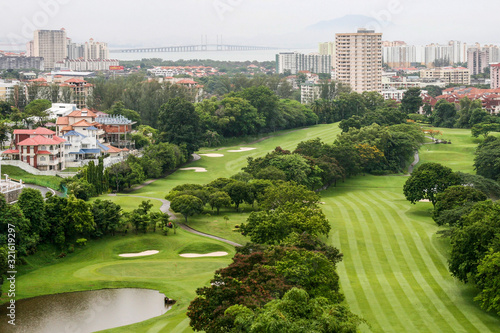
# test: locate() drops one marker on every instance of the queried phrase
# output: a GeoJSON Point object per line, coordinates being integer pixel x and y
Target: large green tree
{"type": "Point", "coordinates": [274, 226]}
{"type": "Point", "coordinates": [296, 312]}
{"type": "Point", "coordinates": [472, 242]}
{"type": "Point", "coordinates": [427, 181]}
{"type": "Point", "coordinates": [488, 281]}
{"type": "Point", "coordinates": [187, 205]}
{"type": "Point", "coordinates": [454, 202]}
{"type": "Point", "coordinates": [32, 204]}
{"type": "Point", "coordinates": [411, 101]}
{"type": "Point", "coordinates": [180, 124]}
{"type": "Point", "coordinates": [38, 110]}
{"type": "Point", "coordinates": [487, 160]}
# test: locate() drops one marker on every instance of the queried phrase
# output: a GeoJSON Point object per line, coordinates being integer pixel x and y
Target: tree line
{"type": "Point", "coordinates": [466, 114]}
{"type": "Point", "coordinates": [285, 277]}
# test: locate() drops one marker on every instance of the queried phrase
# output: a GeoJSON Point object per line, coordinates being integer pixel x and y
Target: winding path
{"type": "Point", "coordinates": [165, 208]}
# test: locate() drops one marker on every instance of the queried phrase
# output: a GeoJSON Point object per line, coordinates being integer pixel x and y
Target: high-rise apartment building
{"type": "Point", "coordinates": [495, 76]}
{"type": "Point", "coordinates": [96, 50]}
{"type": "Point", "coordinates": [294, 62]}
{"type": "Point", "coordinates": [398, 54]}
{"type": "Point", "coordinates": [89, 51]}
{"type": "Point", "coordinates": [359, 60]}
{"type": "Point", "coordinates": [51, 45]}
{"type": "Point", "coordinates": [478, 59]}
{"type": "Point", "coordinates": [327, 48]}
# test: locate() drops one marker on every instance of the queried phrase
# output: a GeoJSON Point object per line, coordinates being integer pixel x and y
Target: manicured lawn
{"type": "Point", "coordinates": [231, 163]}
{"type": "Point", "coordinates": [128, 203]}
{"type": "Point", "coordinates": [459, 155]}
{"type": "Point", "coordinates": [16, 173]}
{"type": "Point", "coordinates": [394, 271]}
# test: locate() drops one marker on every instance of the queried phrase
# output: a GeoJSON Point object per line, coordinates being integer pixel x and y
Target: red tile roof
{"type": "Point", "coordinates": [44, 152]}
{"type": "Point", "coordinates": [82, 123]}
{"type": "Point", "coordinates": [38, 131]}
{"type": "Point", "coordinates": [11, 151]}
{"type": "Point", "coordinates": [75, 80]}
{"type": "Point", "coordinates": [78, 113]}
{"type": "Point", "coordinates": [41, 140]}
{"type": "Point", "coordinates": [113, 149]}
{"type": "Point", "coordinates": [62, 121]}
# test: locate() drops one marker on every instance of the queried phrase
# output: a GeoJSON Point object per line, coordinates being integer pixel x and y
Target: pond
{"type": "Point", "coordinates": [84, 311]}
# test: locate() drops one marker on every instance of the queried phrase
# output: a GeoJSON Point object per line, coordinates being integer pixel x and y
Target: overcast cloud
{"type": "Point", "coordinates": [169, 22]}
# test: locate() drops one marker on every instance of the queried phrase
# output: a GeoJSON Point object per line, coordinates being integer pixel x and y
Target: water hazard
{"type": "Point", "coordinates": [85, 311]}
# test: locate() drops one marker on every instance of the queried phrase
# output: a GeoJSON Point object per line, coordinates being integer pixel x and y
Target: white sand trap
{"type": "Point", "coordinates": [140, 254]}
{"type": "Point", "coordinates": [195, 169]}
{"type": "Point", "coordinates": [424, 200]}
{"type": "Point", "coordinates": [212, 155]}
{"type": "Point", "coordinates": [197, 255]}
{"type": "Point", "coordinates": [241, 149]}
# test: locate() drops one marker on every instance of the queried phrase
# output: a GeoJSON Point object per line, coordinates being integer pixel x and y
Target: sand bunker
{"type": "Point", "coordinates": [195, 169]}
{"type": "Point", "coordinates": [140, 254]}
{"type": "Point", "coordinates": [241, 149]}
{"type": "Point", "coordinates": [212, 155]}
{"type": "Point", "coordinates": [424, 200]}
{"type": "Point", "coordinates": [197, 255]}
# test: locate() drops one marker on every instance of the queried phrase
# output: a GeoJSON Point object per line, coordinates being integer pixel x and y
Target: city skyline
{"type": "Point", "coordinates": [257, 22]}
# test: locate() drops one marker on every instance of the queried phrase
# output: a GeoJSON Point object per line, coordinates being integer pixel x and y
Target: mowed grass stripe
{"type": "Point", "coordinates": [344, 280]}
{"type": "Point", "coordinates": [467, 312]}
{"type": "Point", "coordinates": [351, 279]}
{"type": "Point", "coordinates": [403, 287]}
{"type": "Point", "coordinates": [377, 255]}
{"type": "Point", "coordinates": [423, 304]}
{"type": "Point", "coordinates": [434, 281]}
{"type": "Point", "coordinates": [367, 285]}
{"type": "Point", "coordinates": [425, 277]}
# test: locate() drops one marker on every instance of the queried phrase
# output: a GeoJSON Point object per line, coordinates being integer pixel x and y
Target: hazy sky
{"type": "Point", "coordinates": [264, 22]}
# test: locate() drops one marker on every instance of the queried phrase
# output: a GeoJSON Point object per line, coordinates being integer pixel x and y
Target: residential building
{"type": "Point", "coordinates": [193, 71]}
{"type": "Point", "coordinates": [478, 59]}
{"type": "Point", "coordinates": [40, 148]}
{"type": "Point", "coordinates": [494, 53]}
{"type": "Point", "coordinates": [116, 130]}
{"type": "Point", "coordinates": [359, 60]}
{"type": "Point", "coordinates": [294, 62]}
{"type": "Point", "coordinates": [60, 110]}
{"type": "Point", "coordinates": [398, 54]}
{"type": "Point", "coordinates": [51, 45]}
{"type": "Point", "coordinates": [21, 62]}
{"type": "Point", "coordinates": [90, 65]}
{"type": "Point", "coordinates": [394, 94]}
{"type": "Point", "coordinates": [309, 92]}
{"type": "Point", "coordinates": [458, 75]}
{"type": "Point", "coordinates": [328, 48]}
{"type": "Point", "coordinates": [495, 76]}
{"type": "Point", "coordinates": [79, 88]}
{"type": "Point", "coordinates": [7, 88]}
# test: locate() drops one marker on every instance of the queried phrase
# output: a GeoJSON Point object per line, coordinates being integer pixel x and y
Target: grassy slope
{"type": "Point", "coordinates": [394, 271]}
{"type": "Point", "coordinates": [128, 203]}
{"type": "Point", "coordinates": [16, 173]}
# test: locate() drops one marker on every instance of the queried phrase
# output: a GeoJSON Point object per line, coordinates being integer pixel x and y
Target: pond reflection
{"type": "Point", "coordinates": [85, 311]}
